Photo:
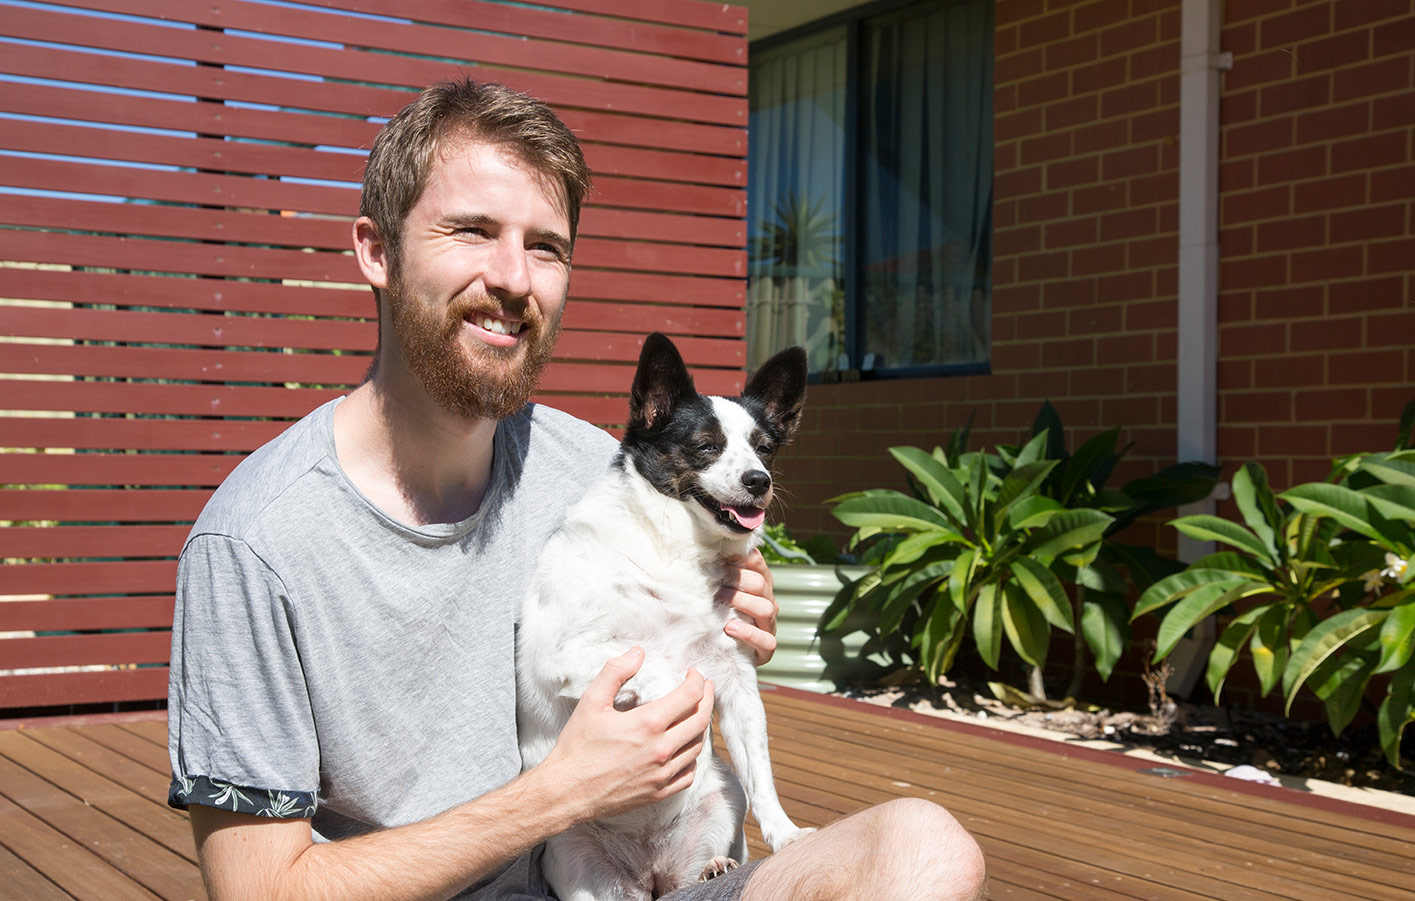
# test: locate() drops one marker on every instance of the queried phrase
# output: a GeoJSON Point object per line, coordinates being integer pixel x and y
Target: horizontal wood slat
{"type": "Point", "coordinates": [150, 343]}
{"type": "Point", "coordinates": [69, 614]}
{"type": "Point", "coordinates": [107, 686]}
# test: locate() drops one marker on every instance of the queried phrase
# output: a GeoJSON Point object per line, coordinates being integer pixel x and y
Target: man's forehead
{"type": "Point", "coordinates": [464, 148]}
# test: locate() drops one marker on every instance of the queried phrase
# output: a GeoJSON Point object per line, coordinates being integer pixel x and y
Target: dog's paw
{"type": "Point", "coordinates": [627, 699]}
{"type": "Point", "coordinates": [780, 839]}
{"type": "Point", "coordinates": [716, 867]}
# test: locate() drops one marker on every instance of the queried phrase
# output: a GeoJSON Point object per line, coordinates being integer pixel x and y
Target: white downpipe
{"type": "Point", "coordinates": [1197, 427]}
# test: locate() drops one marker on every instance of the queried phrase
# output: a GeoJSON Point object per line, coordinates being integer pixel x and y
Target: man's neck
{"type": "Point", "coordinates": [417, 462]}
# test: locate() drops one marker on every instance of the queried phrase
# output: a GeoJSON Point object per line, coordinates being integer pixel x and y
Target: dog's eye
{"type": "Point", "coordinates": [764, 450]}
{"type": "Point", "coordinates": [707, 447]}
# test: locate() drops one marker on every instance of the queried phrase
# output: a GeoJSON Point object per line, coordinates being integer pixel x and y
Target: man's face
{"type": "Point", "coordinates": [477, 296]}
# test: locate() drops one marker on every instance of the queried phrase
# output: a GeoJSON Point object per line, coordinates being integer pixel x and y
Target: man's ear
{"type": "Point", "coordinates": [371, 253]}
{"type": "Point", "coordinates": [780, 387]}
{"type": "Point", "coordinates": [660, 384]}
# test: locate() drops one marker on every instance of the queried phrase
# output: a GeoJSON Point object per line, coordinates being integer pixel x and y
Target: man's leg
{"type": "Point", "coordinates": [904, 850]}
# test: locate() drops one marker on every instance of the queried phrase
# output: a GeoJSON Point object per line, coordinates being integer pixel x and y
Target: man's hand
{"type": "Point", "coordinates": [748, 590]}
{"type": "Point", "coordinates": [620, 760]}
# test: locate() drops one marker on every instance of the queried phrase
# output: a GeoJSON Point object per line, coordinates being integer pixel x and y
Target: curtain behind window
{"type": "Point", "coordinates": [795, 287]}
{"type": "Point", "coordinates": [926, 117]}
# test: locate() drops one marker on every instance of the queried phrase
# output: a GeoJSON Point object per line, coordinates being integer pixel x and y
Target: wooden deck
{"type": "Point", "coordinates": [82, 812]}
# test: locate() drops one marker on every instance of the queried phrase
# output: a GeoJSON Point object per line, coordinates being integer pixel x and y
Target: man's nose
{"type": "Point", "coordinates": [507, 271]}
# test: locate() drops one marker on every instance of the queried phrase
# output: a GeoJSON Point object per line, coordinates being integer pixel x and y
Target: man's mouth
{"type": "Point", "coordinates": [496, 326]}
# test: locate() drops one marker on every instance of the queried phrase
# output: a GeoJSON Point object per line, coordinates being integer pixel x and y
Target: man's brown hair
{"type": "Point", "coordinates": [459, 110]}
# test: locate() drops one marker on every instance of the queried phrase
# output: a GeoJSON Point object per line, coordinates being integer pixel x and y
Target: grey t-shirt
{"type": "Point", "coordinates": [330, 662]}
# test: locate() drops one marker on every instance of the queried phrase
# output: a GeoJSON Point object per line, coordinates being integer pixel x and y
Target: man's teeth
{"type": "Point", "coordinates": [499, 326]}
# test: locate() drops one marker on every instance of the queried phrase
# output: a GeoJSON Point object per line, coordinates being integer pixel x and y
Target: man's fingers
{"type": "Point", "coordinates": [612, 677]}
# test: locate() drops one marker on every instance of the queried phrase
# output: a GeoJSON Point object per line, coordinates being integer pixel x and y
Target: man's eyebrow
{"type": "Point", "coordinates": [471, 220]}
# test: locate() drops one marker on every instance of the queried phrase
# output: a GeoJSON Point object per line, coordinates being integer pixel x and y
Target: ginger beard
{"type": "Point", "coordinates": [470, 378]}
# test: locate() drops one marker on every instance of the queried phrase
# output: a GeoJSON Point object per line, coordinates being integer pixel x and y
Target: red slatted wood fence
{"type": "Point", "coordinates": [177, 182]}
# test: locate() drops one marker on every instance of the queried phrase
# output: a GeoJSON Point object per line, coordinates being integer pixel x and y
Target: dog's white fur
{"type": "Point", "coordinates": [631, 566]}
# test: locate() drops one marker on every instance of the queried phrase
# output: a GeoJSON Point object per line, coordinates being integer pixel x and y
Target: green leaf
{"type": "Point", "coordinates": [1397, 636]}
{"type": "Point", "coordinates": [1070, 531]}
{"type": "Point", "coordinates": [1255, 502]}
{"type": "Point", "coordinates": [1021, 484]}
{"type": "Point", "coordinates": [1049, 421]}
{"type": "Point", "coordinates": [961, 578]}
{"type": "Point", "coordinates": [891, 511]}
{"type": "Point", "coordinates": [958, 442]}
{"type": "Point", "coordinates": [1407, 426]}
{"type": "Point", "coordinates": [1045, 591]}
{"type": "Point", "coordinates": [1105, 624]}
{"type": "Point", "coordinates": [1325, 639]}
{"type": "Point", "coordinates": [846, 599]}
{"type": "Point", "coordinates": [915, 546]}
{"type": "Point", "coordinates": [1171, 588]}
{"type": "Point", "coordinates": [1032, 512]}
{"type": "Point", "coordinates": [1347, 507]}
{"type": "Point", "coordinates": [943, 621]}
{"type": "Point", "coordinates": [908, 590]}
{"type": "Point", "coordinates": [1200, 603]}
{"type": "Point", "coordinates": [1230, 642]}
{"type": "Point", "coordinates": [1234, 562]}
{"type": "Point", "coordinates": [1396, 711]}
{"type": "Point", "coordinates": [987, 625]}
{"type": "Point", "coordinates": [1392, 472]}
{"type": "Point", "coordinates": [1269, 647]}
{"type": "Point", "coordinates": [943, 489]}
{"type": "Point", "coordinates": [1393, 501]}
{"type": "Point", "coordinates": [1080, 469]}
{"type": "Point", "coordinates": [1032, 452]}
{"type": "Point", "coordinates": [1341, 683]}
{"type": "Point", "coordinates": [1026, 628]}
{"type": "Point", "coordinates": [1212, 528]}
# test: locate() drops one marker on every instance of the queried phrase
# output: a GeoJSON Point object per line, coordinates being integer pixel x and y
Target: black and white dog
{"type": "Point", "coordinates": [639, 561]}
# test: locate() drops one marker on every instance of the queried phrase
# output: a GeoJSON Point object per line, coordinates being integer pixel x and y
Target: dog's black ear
{"type": "Point", "coordinates": [780, 386]}
{"type": "Point", "coordinates": [660, 384]}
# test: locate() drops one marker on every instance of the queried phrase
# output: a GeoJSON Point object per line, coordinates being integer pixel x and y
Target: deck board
{"type": "Point", "coordinates": [83, 812]}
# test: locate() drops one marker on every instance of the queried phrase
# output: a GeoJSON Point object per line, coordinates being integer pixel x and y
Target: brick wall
{"type": "Point", "coordinates": [1317, 319]}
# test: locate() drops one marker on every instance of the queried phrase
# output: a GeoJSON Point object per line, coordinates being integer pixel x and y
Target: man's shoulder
{"type": "Point", "coordinates": [542, 430]}
{"type": "Point", "coordinates": [262, 479]}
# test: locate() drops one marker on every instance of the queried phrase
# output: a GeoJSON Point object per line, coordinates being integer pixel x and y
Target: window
{"type": "Point", "coordinates": [870, 190]}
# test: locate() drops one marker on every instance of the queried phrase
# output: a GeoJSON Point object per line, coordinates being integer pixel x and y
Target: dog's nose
{"type": "Point", "coordinates": [757, 482]}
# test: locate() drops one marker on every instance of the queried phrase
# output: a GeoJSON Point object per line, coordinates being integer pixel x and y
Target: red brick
{"type": "Point", "coordinates": [1132, 98]}
{"type": "Point", "coordinates": [1169, 218]}
{"type": "Point", "coordinates": [1290, 303]}
{"type": "Point", "coordinates": [1360, 438]}
{"type": "Point", "coordinates": [1042, 207]}
{"type": "Point", "coordinates": [1336, 122]}
{"type": "Point", "coordinates": [1291, 28]}
{"type": "Point", "coordinates": [1044, 29]}
{"type": "Point", "coordinates": [1329, 193]}
{"type": "Point", "coordinates": [1107, 135]}
{"type": "Point", "coordinates": [1328, 264]}
{"type": "Point", "coordinates": [1169, 155]}
{"type": "Point", "coordinates": [1167, 281]}
{"type": "Point", "coordinates": [1393, 112]}
{"type": "Point", "coordinates": [1068, 292]}
{"type": "Point", "coordinates": [1379, 77]}
{"type": "Point", "coordinates": [1098, 198]}
{"type": "Point", "coordinates": [1236, 38]}
{"type": "Point", "coordinates": [1235, 242]}
{"type": "Point", "coordinates": [1004, 328]}
{"type": "Point", "coordinates": [1385, 293]}
{"type": "Point", "coordinates": [1126, 349]}
{"type": "Point", "coordinates": [1095, 320]}
{"type": "Point", "coordinates": [1050, 146]}
{"type": "Point", "coordinates": [1291, 371]}
{"type": "Point", "coordinates": [1098, 15]}
{"type": "Point", "coordinates": [1369, 223]}
{"type": "Point", "coordinates": [1392, 329]}
{"type": "Point", "coordinates": [1160, 188]}
{"type": "Point", "coordinates": [1004, 156]}
{"type": "Point", "coordinates": [1239, 10]}
{"type": "Point", "coordinates": [1129, 35]}
{"type": "Point", "coordinates": [1016, 299]}
{"type": "Point", "coordinates": [1004, 99]}
{"type": "Point", "coordinates": [1107, 73]}
{"type": "Point", "coordinates": [1070, 113]}
{"type": "Point", "coordinates": [1041, 325]}
{"type": "Point", "coordinates": [1015, 357]}
{"type": "Point", "coordinates": [1154, 61]}
{"type": "Point", "coordinates": [1234, 443]}
{"type": "Point", "coordinates": [1235, 374]}
{"type": "Point", "coordinates": [1258, 406]}
{"type": "Point", "coordinates": [1127, 223]}
{"type": "Point", "coordinates": [1350, 15]}
{"type": "Point", "coordinates": [1020, 124]}
{"type": "Point", "coordinates": [1326, 333]}
{"type": "Point", "coordinates": [1252, 339]}
{"type": "Point", "coordinates": [1125, 286]}
{"type": "Point", "coordinates": [1366, 367]}
{"type": "Point", "coordinates": [1293, 165]}
{"type": "Point", "coordinates": [1331, 404]}
{"type": "Point", "coordinates": [1025, 239]}
{"type": "Point", "coordinates": [1098, 260]}
{"type": "Point", "coordinates": [1253, 272]}
{"type": "Point", "coordinates": [1257, 137]}
{"type": "Point", "coordinates": [1234, 306]}
{"type": "Point", "coordinates": [1129, 163]}
{"type": "Point", "coordinates": [1334, 50]}
{"type": "Point", "coordinates": [1037, 266]}
{"type": "Point", "coordinates": [1070, 173]}
{"type": "Point", "coordinates": [1072, 232]}
{"type": "Point", "coordinates": [1393, 183]}
{"type": "Point", "coordinates": [1152, 378]}
{"type": "Point", "coordinates": [1018, 182]}
{"type": "Point", "coordinates": [1044, 89]}
{"type": "Point", "coordinates": [1393, 37]}
{"type": "Point", "coordinates": [1015, 67]}
{"type": "Point", "coordinates": [1237, 176]}
{"type": "Point", "coordinates": [1161, 124]}
{"type": "Point", "coordinates": [1252, 69]}
{"type": "Point", "coordinates": [1068, 353]}
{"type": "Point", "coordinates": [1265, 203]}
{"type": "Point", "coordinates": [1151, 315]}
{"type": "Point", "coordinates": [1235, 108]}
{"type": "Point", "coordinates": [1290, 96]}
{"type": "Point", "coordinates": [1004, 40]}
{"type": "Point", "coordinates": [1387, 149]}
{"type": "Point", "coordinates": [1387, 403]}
{"type": "Point", "coordinates": [1004, 213]}
{"type": "Point", "coordinates": [1103, 381]}
{"type": "Point", "coordinates": [1150, 252]}
{"type": "Point", "coordinates": [1132, 410]}
{"type": "Point", "coordinates": [1287, 234]}
{"type": "Point", "coordinates": [1075, 52]}
{"type": "Point", "coordinates": [1014, 11]}
{"type": "Point", "coordinates": [1391, 256]}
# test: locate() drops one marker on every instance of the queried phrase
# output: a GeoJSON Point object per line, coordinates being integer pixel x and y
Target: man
{"type": "Point", "coordinates": [342, 711]}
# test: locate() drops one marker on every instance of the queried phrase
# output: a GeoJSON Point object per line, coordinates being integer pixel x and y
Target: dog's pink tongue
{"type": "Point", "coordinates": [748, 517]}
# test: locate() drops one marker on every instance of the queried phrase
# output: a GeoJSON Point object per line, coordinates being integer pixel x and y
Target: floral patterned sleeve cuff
{"type": "Point", "coordinates": [261, 802]}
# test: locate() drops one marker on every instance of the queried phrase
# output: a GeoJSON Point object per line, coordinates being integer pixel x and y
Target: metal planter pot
{"type": "Point", "coordinates": [802, 659]}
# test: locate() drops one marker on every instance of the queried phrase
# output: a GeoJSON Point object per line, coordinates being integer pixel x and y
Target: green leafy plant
{"type": "Point", "coordinates": [1319, 581]}
{"type": "Point", "coordinates": [977, 547]}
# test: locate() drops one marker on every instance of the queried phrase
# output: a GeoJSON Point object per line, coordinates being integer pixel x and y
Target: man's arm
{"type": "Point", "coordinates": [605, 762]}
